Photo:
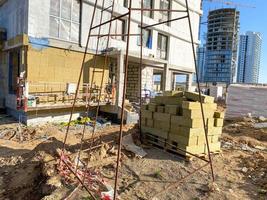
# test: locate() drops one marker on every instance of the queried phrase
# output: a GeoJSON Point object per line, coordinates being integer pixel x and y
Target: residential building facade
{"type": "Point", "coordinates": [249, 57]}
{"type": "Point", "coordinates": [221, 46]}
{"type": "Point", "coordinates": [45, 42]}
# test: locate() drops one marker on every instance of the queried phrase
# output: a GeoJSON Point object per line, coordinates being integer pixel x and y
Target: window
{"type": "Point", "coordinates": [118, 27]}
{"type": "Point", "coordinates": [65, 19]}
{"type": "Point", "coordinates": [164, 15]}
{"type": "Point", "coordinates": [126, 3]}
{"type": "Point", "coordinates": [162, 46]}
{"type": "Point", "coordinates": [148, 4]}
{"type": "Point", "coordinates": [147, 38]}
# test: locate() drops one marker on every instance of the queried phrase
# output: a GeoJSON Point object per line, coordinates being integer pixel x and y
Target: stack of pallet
{"type": "Point", "coordinates": [175, 122]}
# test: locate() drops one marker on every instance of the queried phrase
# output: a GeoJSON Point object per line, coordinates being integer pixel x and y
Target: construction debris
{"type": "Point", "coordinates": [128, 144]}
{"type": "Point", "coordinates": [91, 179]}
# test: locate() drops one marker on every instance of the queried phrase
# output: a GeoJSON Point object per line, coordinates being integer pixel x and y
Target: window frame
{"type": "Point", "coordinates": [160, 50]}
{"type": "Point", "coordinates": [71, 21]}
{"type": "Point", "coordinates": [145, 44]}
{"type": "Point", "coordinates": [162, 13]}
{"type": "Point", "coordinates": [150, 13]}
{"type": "Point", "coordinates": [124, 24]}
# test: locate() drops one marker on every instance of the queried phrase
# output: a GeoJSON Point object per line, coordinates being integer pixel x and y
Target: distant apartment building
{"type": "Point", "coordinates": [201, 52]}
{"type": "Point", "coordinates": [221, 46]}
{"type": "Point", "coordinates": [249, 57]}
{"type": "Point", "coordinates": [43, 43]}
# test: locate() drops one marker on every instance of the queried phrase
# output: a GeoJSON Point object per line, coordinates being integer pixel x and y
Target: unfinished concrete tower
{"type": "Point", "coordinates": [222, 40]}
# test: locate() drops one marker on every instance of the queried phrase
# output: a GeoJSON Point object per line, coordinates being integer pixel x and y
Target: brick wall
{"type": "Point", "coordinates": [132, 92]}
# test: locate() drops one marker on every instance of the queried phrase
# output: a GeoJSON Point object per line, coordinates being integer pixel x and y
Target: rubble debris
{"type": "Point", "coordinates": [92, 179]}
{"type": "Point", "coordinates": [260, 125]}
{"type": "Point", "coordinates": [89, 122]}
{"type": "Point", "coordinates": [128, 144]}
{"type": "Point", "coordinates": [262, 119]}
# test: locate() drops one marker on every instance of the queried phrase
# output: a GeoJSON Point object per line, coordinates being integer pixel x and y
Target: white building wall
{"type": "Point", "coordinates": [179, 50]}
{"type": "Point", "coordinates": [39, 18]}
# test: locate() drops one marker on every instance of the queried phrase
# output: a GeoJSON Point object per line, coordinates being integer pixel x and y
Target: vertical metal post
{"type": "Point", "coordinates": [140, 70]}
{"type": "Point", "coordinates": [199, 92]}
{"type": "Point", "coordinates": [123, 98]}
{"type": "Point", "coordinates": [80, 75]}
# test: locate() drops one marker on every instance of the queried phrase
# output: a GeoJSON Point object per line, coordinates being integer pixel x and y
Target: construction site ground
{"type": "Point", "coordinates": [28, 156]}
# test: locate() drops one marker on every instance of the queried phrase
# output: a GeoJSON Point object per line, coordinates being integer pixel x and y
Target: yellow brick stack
{"type": "Point", "coordinates": [177, 120]}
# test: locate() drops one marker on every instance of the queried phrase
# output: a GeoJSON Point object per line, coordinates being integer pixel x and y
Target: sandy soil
{"type": "Point", "coordinates": [28, 163]}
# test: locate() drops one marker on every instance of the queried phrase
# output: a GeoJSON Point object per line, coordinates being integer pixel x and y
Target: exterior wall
{"type": "Point", "coordinates": [56, 67]}
{"type": "Point", "coordinates": [249, 58]}
{"type": "Point", "coordinates": [13, 17]}
{"type": "Point", "coordinates": [133, 88]}
{"type": "Point", "coordinates": [133, 83]}
{"type": "Point", "coordinates": [179, 58]}
{"type": "Point", "coordinates": [57, 62]}
{"type": "Point", "coordinates": [222, 40]}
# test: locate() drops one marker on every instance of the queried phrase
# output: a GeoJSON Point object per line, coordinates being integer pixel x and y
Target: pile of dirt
{"type": "Point", "coordinates": [255, 168]}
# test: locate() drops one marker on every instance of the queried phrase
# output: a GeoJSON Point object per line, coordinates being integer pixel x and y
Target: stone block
{"type": "Point", "coordinates": [196, 105]}
{"type": "Point", "coordinates": [193, 132]}
{"type": "Point", "coordinates": [152, 107]}
{"type": "Point", "coordinates": [165, 117]}
{"type": "Point", "coordinates": [196, 149]}
{"type": "Point", "coordinates": [195, 113]}
{"type": "Point", "coordinates": [194, 140]}
{"type": "Point", "coordinates": [194, 96]}
{"type": "Point", "coordinates": [169, 100]}
{"type": "Point", "coordinates": [143, 121]}
{"type": "Point", "coordinates": [155, 132]}
{"type": "Point", "coordinates": [218, 114]}
{"type": "Point", "coordinates": [218, 122]}
{"type": "Point", "coordinates": [215, 130]}
{"type": "Point", "coordinates": [172, 109]}
{"type": "Point", "coordinates": [183, 140]}
{"type": "Point", "coordinates": [173, 93]}
{"type": "Point", "coordinates": [161, 109]}
{"type": "Point", "coordinates": [147, 114]}
{"type": "Point", "coordinates": [214, 147]}
{"type": "Point", "coordinates": [150, 123]}
{"type": "Point", "coordinates": [162, 125]}
{"type": "Point", "coordinates": [191, 123]}
{"type": "Point", "coordinates": [144, 107]}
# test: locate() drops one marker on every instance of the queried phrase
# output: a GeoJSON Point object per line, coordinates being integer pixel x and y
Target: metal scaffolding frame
{"type": "Point", "coordinates": [110, 9]}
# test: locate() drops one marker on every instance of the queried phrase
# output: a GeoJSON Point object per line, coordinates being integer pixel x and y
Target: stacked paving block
{"type": "Point", "coordinates": [175, 122]}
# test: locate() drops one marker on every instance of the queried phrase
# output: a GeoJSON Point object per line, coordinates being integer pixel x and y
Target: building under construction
{"type": "Point", "coordinates": [222, 43]}
{"type": "Point", "coordinates": [42, 45]}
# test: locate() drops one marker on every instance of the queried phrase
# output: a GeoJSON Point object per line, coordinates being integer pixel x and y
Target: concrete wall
{"type": "Point", "coordinates": [14, 17]}
{"type": "Point", "coordinates": [133, 83]}
{"type": "Point", "coordinates": [180, 51]}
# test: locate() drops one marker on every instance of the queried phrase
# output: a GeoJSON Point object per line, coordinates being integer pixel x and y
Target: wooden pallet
{"type": "Point", "coordinates": [155, 140]}
{"type": "Point", "coordinates": [171, 147]}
